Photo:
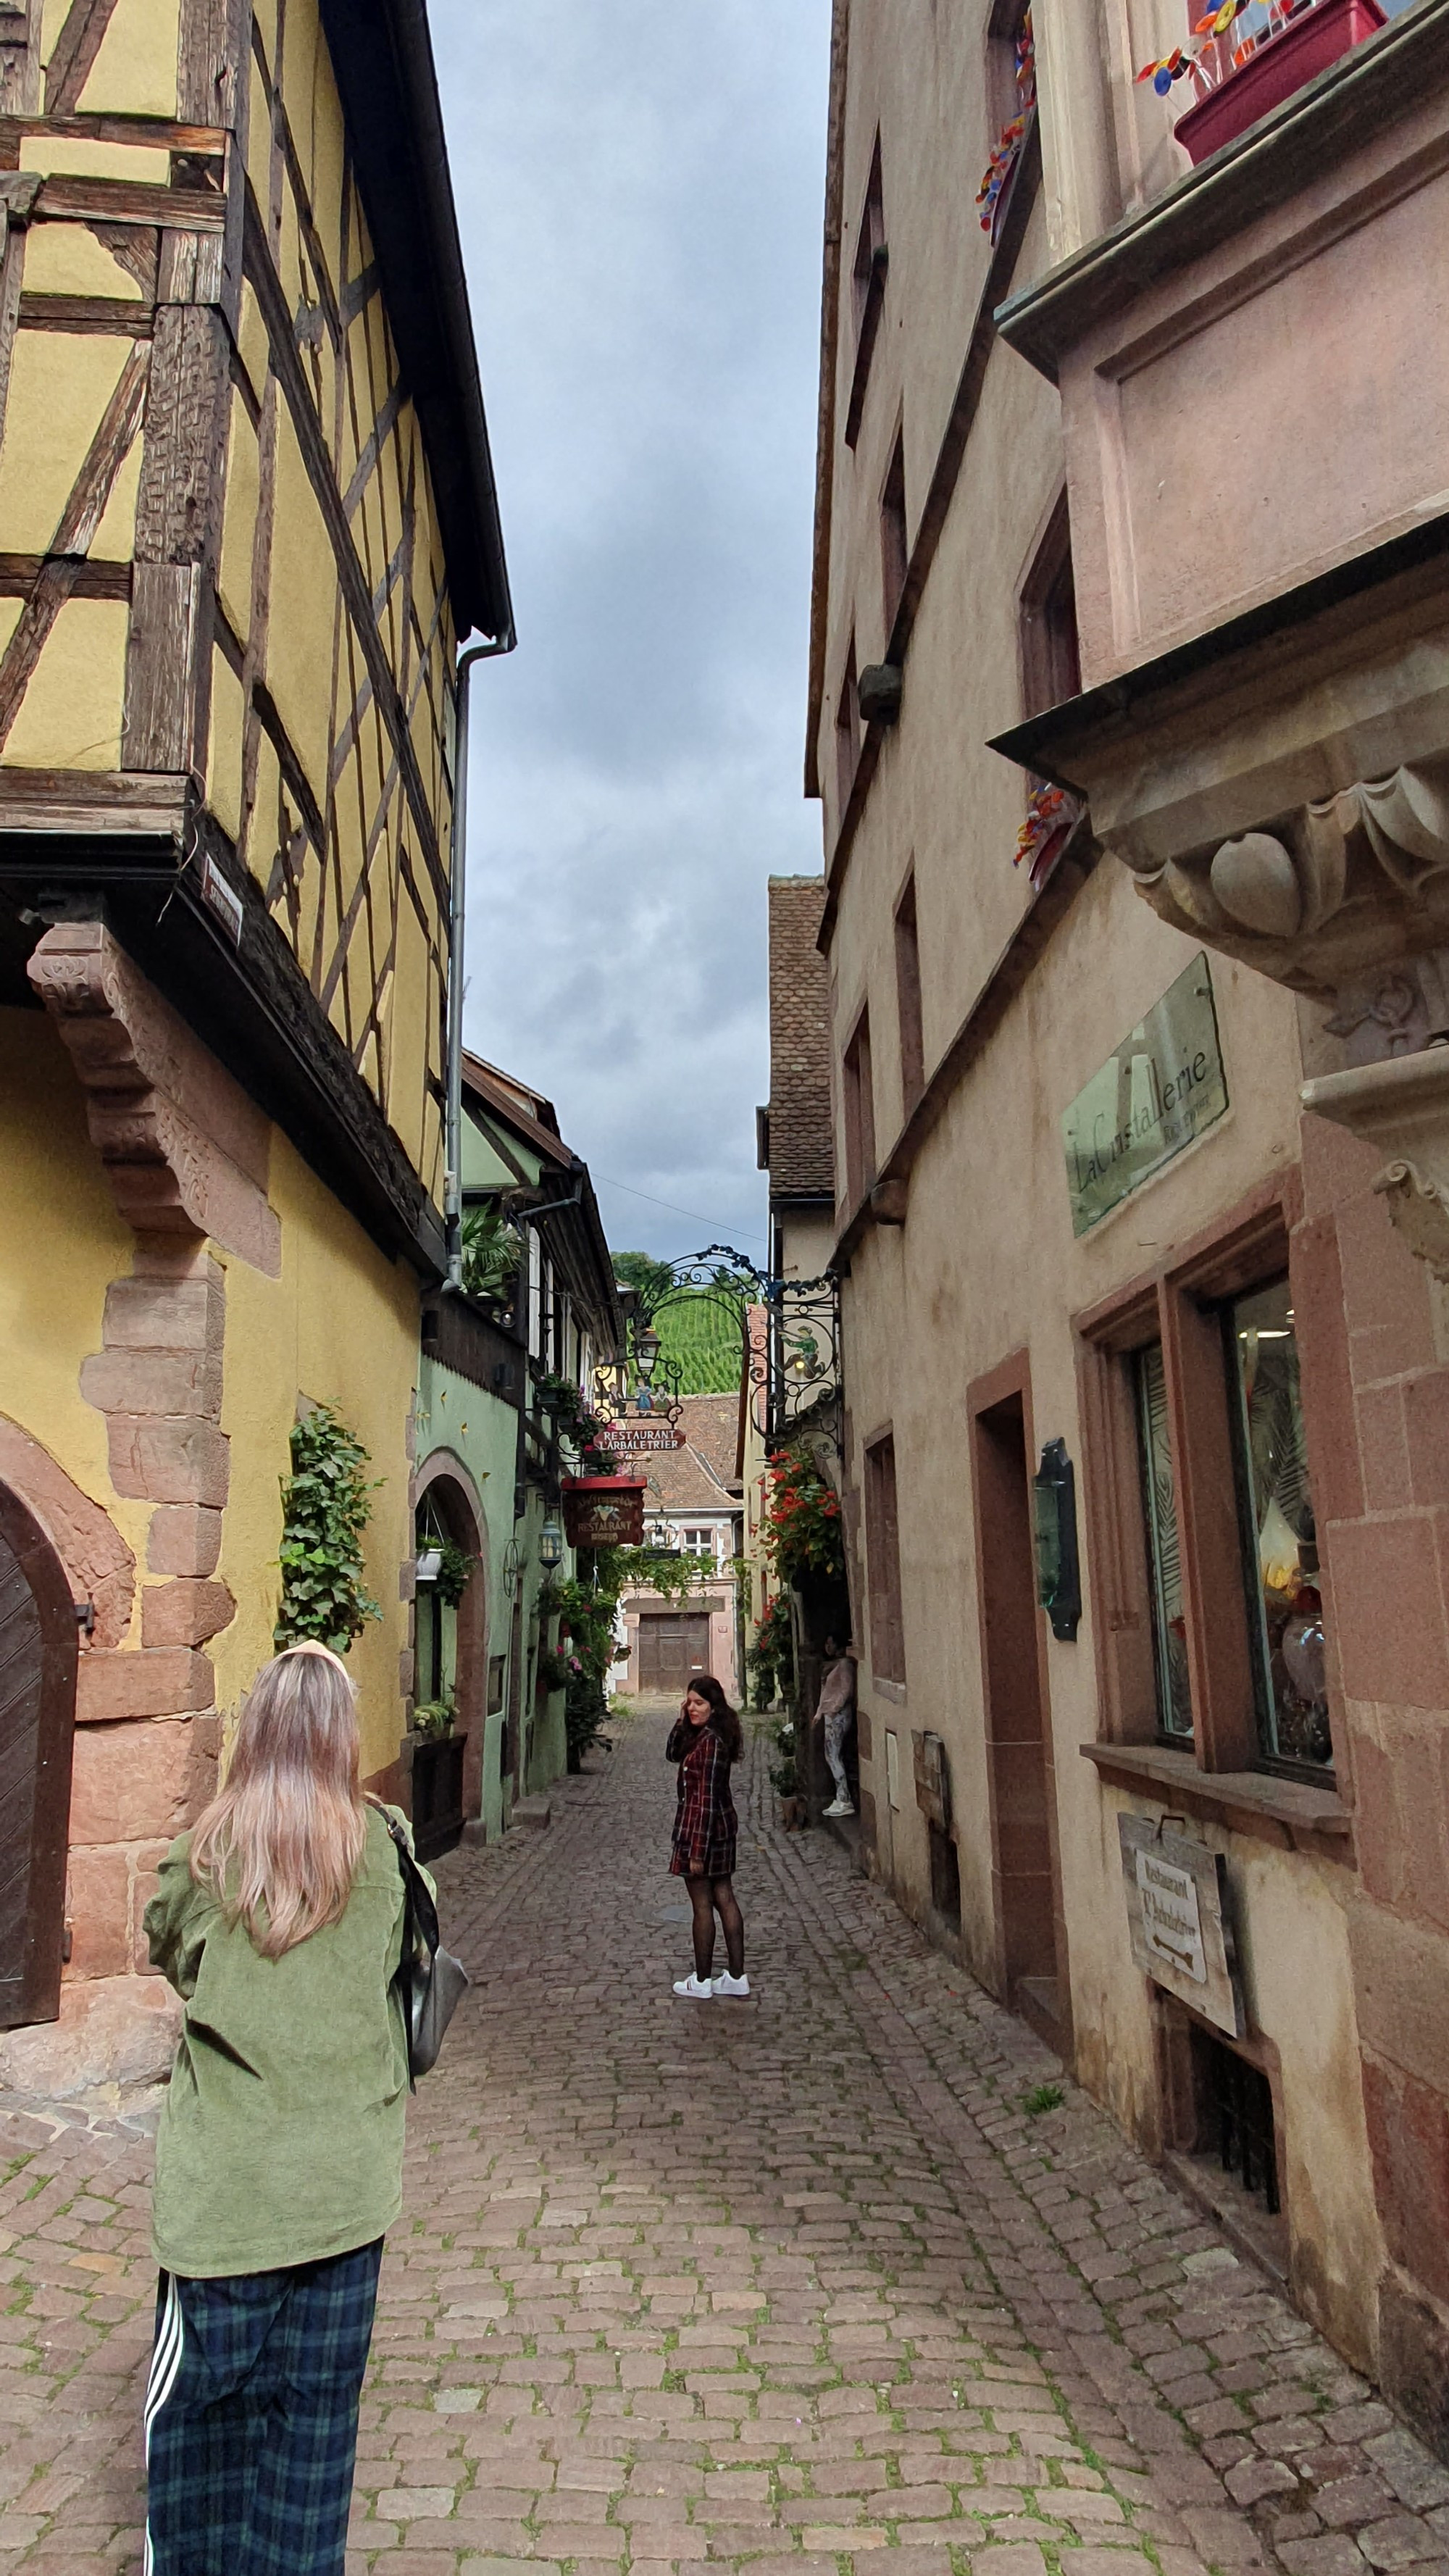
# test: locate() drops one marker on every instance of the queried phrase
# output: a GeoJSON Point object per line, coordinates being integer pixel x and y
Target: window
{"type": "Point", "coordinates": [908, 998]}
{"type": "Point", "coordinates": [1051, 664]}
{"type": "Point", "coordinates": [867, 283]}
{"type": "Point", "coordinates": [893, 551]}
{"type": "Point", "coordinates": [882, 1539]}
{"type": "Point", "coordinates": [1201, 1529]}
{"type": "Point", "coordinates": [699, 1542]}
{"type": "Point", "coordinates": [1279, 1533]}
{"type": "Point", "coordinates": [859, 1114]}
{"type": "Point", "coordinates": [847, 732]}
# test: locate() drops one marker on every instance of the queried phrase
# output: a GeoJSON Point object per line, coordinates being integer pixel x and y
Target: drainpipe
{"type": "Point", "coordinates": [457, 907]}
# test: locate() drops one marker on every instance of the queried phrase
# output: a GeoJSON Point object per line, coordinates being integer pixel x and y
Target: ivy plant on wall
{"type": "Point", "coordinates": [326, 1506]}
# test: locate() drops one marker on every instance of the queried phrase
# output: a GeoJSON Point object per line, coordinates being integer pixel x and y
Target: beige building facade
{"type": "Point", "coordinates": [1129, 562]}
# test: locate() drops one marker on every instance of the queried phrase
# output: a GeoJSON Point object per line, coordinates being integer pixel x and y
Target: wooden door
{"type": "Point", "coordinates": [1018, 1752]}
{"type": "Point", "coordinates": [672, 1645]}
{"type": "Point", "coordinates": [37, 1720]}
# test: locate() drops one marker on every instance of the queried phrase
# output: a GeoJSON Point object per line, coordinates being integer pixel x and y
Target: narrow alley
{"type": "Point", "coordinates": [780, 2284]}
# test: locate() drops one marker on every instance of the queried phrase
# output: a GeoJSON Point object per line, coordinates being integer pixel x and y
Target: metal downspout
{"type": "Point", "coordinates": [457, 913]}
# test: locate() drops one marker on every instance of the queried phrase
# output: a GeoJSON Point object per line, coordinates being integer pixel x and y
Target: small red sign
{"type": "Point", "coordinates": [604, 1511]}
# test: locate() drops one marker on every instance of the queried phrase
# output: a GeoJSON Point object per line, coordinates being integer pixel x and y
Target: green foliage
{"type": "Point", "coordinates": [434, 1718]}
{"type": "Point", "coordinates": [701, 1331]}
{"type": "Point", "coordinates": [639, 1270]}
{"type": "Point", "coordinates": [1044, 2097]}
{"type": "Point", "coordinates": [326, 1507]}
{"type": "Point", "coordinates": [770, 1661]}
{"type": "Point", "coordinates": [451, 1580]}
{"type": "Point", "coordinates": [492, 1254]}
{"type": "Point", "coordinates": [553, 1668]}
{"type": "Point", "coordinates": [785, 1769]}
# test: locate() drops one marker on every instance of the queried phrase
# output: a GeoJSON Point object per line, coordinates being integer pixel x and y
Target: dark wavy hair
{"type": "Point", "coordinates": [722, 1717]}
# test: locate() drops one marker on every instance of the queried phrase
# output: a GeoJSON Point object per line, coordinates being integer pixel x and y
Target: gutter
{"type": "Point", "coordinates": [457, 914]}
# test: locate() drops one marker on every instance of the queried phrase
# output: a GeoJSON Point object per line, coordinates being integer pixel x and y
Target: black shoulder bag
{"type": "Point", "coordinates": [429, 1980]}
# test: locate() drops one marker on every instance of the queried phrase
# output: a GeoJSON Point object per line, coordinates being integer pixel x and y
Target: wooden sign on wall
{"type": "Point", "coordinates": [604, 1511]}
{"type": "Point", "coordinates": [1179, 1916]}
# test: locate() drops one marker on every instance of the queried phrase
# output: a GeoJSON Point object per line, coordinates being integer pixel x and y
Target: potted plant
{"type": "Point", "coordinates": [437, 1777]}
{"type": "Point", "coordinates": [429, 1564]}
{"type": "Point", "coordinates": [1236, 82]}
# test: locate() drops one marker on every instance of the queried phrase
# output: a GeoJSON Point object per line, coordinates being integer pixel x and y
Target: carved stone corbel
{"type": "Point", "coordinates": [184, 1149]}
{"type": "Point", "coordinates": [1402, 1107]}
{"type": "Point", "coordinates": [1327, 889]}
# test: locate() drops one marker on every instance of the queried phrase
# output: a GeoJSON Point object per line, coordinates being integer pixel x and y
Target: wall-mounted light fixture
{"type": "Point", "coordinates": [550, 1544]}
{"type": "Point", "coordinates": [1058, 1568]}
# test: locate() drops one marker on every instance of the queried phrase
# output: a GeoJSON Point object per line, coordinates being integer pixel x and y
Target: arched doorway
{"type": "Point", "coordinates": [450, 1649]}
{"type": "Point", "coordinates": [37, 1721]}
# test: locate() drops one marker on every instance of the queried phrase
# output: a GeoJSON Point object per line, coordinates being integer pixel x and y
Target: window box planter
{"type": "Point", "coordinates": [1275, 71]}
{"type": "Point", "coordinates": [437, 1793]}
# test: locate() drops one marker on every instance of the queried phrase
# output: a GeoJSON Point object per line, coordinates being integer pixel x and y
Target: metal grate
{"type": "Point", "coordinates": [1242, 2103]}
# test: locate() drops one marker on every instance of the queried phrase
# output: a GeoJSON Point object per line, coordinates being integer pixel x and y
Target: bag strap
{"type": "Point", "coordinates": [419, 1895]}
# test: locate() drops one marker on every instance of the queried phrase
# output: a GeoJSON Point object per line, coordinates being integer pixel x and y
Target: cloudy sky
{"type": "Point", "coordinates": [640, 186]}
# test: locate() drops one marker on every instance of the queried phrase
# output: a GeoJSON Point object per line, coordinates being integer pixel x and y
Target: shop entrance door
{"type": "Point", "coordinates": [1018, 1752]}
{"type": "Point", "coordinates": [672, 1645]}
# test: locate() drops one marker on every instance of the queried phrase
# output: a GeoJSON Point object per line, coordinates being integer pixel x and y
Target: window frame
{"type": "Point", "coordinates": [1181, 1305]}
{"type": "Point", "coordinates": [857, 1088]}
{"type": "Point", "coordinates": [883, 1561]}
{"type": "Point", "coordinates": [905, 930]}
{"type": "Point", "coordinates": [895, 548]}
{"type": "Point", "coordinates": [847, 730]}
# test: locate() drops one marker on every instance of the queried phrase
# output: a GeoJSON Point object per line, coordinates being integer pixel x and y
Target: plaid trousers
{"type": "Point", "coordinates": [251, 2418]}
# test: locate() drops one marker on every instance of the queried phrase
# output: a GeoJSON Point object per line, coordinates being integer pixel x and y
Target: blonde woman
{"type": "Point", "coordinates": [279, 1919]}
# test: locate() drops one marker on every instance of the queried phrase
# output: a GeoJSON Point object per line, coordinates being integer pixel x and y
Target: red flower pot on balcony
{"type": "Point", "coordinates": [1273, 73]}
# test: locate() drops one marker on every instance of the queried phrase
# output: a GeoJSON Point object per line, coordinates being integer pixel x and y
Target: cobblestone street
{"type": "Point", "coordinates": [796, 2282]}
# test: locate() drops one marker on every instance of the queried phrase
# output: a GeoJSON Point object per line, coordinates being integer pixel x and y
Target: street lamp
{"type": "Point", "coordinates": [550, 1545]}
{"type": "Point", "coordinates": [646, 1352]}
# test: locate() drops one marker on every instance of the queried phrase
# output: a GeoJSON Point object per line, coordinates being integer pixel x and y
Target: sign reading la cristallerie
{"type": "Point", "coordinates": [1163, 1086]}
{"type": "Point", "coordinates": [1180, 1920]}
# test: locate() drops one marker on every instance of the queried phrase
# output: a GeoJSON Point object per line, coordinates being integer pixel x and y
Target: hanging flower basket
{"type": "Point", "coordinates": [1277, 66]}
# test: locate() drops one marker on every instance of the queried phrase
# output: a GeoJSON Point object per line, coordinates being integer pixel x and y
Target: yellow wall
{"type": "Point", "coordinates": [340, 1326]}
{"type": "Point", "coordinates": [60, 1248]}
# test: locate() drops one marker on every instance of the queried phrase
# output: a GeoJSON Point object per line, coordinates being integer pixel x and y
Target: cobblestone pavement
{"type": "Point", "coordinates": [796, 2283]}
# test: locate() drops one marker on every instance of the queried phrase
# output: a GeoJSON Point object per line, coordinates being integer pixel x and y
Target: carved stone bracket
{"type": "Point", "coordinates": [1402, 1107]}
{"type": "Point", "coordinates": [184, 1149]}
{"type": "Point", "coordinates": [1323, 893]}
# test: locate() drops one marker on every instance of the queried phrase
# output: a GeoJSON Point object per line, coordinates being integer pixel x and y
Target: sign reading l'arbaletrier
{"type": "Point", "coordinates": [1160, 1089]}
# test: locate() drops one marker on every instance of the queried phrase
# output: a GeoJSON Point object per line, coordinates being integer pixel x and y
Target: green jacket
{"type": "Point", "coordinates": [281, 2137]}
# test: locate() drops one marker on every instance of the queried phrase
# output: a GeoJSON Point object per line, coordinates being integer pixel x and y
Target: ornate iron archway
{"type": "Point", "coordinates": [791, 1368]}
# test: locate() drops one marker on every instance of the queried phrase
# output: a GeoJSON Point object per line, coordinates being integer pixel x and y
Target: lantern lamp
{"type": "Point", "coordinates": [550, 1544]}
{"type": "Point", "coordinates": [646, 1352]}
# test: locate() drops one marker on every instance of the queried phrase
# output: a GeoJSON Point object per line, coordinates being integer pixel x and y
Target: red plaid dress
{"type": "Point", "coordinates": [705, 1823]}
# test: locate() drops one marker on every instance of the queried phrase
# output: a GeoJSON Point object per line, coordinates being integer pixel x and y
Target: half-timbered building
{"type": "Point", "coordinates": [247, 517]}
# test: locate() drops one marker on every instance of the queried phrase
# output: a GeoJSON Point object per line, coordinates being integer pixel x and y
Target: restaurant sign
{"type": "Point", "coordinates": [1179, 1919]}
{"type": "Point", "coordinates": [640, 1439]}
{"type": "Point", "coordinates": [1163, 1086]}
{"type": "Point", "coordinates": [604, 1511]}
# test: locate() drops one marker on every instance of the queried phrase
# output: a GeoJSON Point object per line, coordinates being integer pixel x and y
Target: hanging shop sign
{"type": "Point", "coordinates": [1162, 1088]}
{"type": "Point", "coordinates": [641, 1439]}
{"type": "Point", "coordinates": [604, 1511]}
{"type": "Point", "coordinates": [1180, 1918]}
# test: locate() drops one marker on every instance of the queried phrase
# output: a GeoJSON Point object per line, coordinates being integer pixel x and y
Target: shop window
{"type": "Point", "coordinates": [908, 999]}
{"type": "Point", "coordinates": [1201, 1530]}
{"type": "Point", "coordinates": [1164, 1549]}
{"type": "Point", "coordinates": [1279, 1533]}
{"type": "Point", "coordinates": [883, 1553]}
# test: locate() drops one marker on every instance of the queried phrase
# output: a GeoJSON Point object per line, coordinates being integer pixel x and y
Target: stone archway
{"type": "Point", "coordinates": [457, 1504]}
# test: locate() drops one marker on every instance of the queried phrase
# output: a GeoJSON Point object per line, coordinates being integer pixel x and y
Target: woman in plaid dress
{"type": "Point", "coordinates": [705, 1740]}
{"type": "Point", "coordinates": [279, 1920]}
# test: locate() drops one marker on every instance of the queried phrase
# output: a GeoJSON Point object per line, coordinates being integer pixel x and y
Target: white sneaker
{"type": "Point", "coordinates": [698, 1989]}
{"type": "Point", "coordinates": [725, 1984]}
{"type": "Point", "coordinates": [838, 1807]}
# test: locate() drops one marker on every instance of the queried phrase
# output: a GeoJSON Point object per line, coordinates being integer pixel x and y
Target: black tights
{"type": "Point", "coordinates": [711, 1896]}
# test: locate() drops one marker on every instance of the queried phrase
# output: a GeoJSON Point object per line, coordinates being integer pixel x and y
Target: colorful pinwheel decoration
{"type": "Point", "coordinates": [1050, 815]}
{"type": "Point", "coordinates": [1201, 60]}
{"type": "Point", "coordinates": [1007, 148]}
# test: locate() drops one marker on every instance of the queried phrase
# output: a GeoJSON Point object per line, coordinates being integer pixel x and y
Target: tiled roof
{"type": "Point", "coordinates": [801, 1157]}
{"type": "Point", "coordinates": [700, 1477]}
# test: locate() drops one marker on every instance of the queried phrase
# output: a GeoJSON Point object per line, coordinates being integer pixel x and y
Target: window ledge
{"type": "Point", "coordinates": [1290, 1813]}
{"type": "Point", "coordinates": [894, 1692]}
